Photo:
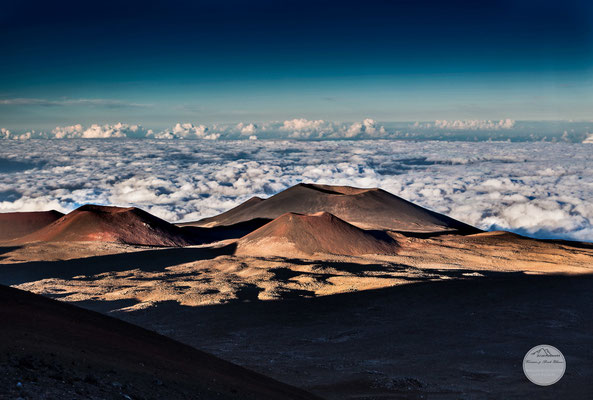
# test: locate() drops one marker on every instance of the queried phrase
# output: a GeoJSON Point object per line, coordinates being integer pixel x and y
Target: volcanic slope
{"type": "Point", "coordinates": [294, 235]}
{"type": "Point", "coordinates": [365, 208]}
{"type": "Point", "coordinates": [112, 224]}
{"type": "Point", "coordinates": [17, 224]}
{"type": "Point", "coordinates": [50, 349]}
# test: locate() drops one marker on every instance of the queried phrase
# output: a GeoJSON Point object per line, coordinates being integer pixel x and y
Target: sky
{"type": "Point", "coordinates": [159, 63]}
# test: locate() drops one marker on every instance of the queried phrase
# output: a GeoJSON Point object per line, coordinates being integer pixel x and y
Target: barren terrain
{"type": "Point", "coordinates": [51, 350]}
{"type": "Point", "coordinates": [338, 309]}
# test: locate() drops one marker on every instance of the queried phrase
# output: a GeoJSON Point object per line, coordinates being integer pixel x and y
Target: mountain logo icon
{"type": "Point", "coordinates": [544, 352]}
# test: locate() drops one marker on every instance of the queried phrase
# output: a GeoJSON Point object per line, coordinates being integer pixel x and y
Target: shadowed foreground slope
{"type": "Point", "coordinates": [50, 349]}
{"type": "Point", "coordinates": [453, 339]}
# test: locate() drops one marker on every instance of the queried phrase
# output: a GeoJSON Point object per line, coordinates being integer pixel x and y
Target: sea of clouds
{"type": "Point", "coordinates": [534, 188]}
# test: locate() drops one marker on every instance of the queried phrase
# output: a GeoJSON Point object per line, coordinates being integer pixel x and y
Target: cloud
{"type": "Point", "coordinates": [538, 189]}
{"type": "Point", "coordinates": [61, 132]}
{"type": "Point", "coordinates": [96, 131]}
{"type": "Point", "coordinates": [315, 130]}
{"type": "Point", "coordinates": [186, 131]}
{"type": "Point", "coordinates": [366, 127]}
{"type": "Point", "coordinates": [300, 128]}
{"type": "Point", "coordinates": [472, 125]}
{"type": "Point", "coordinates": [7, 134]}
{"type": "Point", "coordinates": [246, 129]}
{"type": "Point", "coordinates": [319, 129]}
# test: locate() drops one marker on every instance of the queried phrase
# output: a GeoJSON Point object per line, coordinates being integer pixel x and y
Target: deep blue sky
{"type": "Point", "coordinates": [157, 63]}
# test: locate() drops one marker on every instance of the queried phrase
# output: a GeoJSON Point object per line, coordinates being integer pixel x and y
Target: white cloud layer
{"type": "Point", "coordinates": [289, 129]}
{"type": "Point", "coordinates": [315, 130]}
{"type": "Point", "coordinates": [319, 129]}
{"type": "Point", "coordinates": [96, 131]}
{"type": "Point", "coordinates": [186, 131]}
{"type": "Point", "coordinates": [246, 129]}
{"type": "Point", "coordinates": [539, 189]}
{"type": "Point", "coordinates": [472, 124]}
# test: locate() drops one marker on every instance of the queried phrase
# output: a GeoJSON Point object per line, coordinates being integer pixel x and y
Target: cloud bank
{"type": "Point", "coordinates": [95, 131]}
{"type": "Point", "coordinates": [186, 131]}
{"type": "Point", "coordinates": [538, 189]}
{"type": "Point", "coordinates": [289, 129]}
{"type": "Point", "coordinates": [473, 125]}
{"type": "Point", "coordinates": [315, 130]}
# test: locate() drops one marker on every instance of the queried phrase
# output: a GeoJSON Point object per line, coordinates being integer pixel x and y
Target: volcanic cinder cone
{"type": "Point", "coordinates": [294, 235]}
{"type": "Point", "coordinates": [16, 224]}
{"type": "Point", "coordinates": [112, 224]}
{"type": "Point", "coordinates": [50, 347]}
{"type": "Point", "coordinates": [365, 208]}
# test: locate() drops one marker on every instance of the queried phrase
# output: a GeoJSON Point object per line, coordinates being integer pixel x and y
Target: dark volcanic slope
{"type": "Point", "coordinates": [55, 350]}
{"type": "Point", "coordinates": [112, 224]}
{"type": "Point", "coordinates": [445, 340]}
{"type": "Point", "coordinates": [297, 234]}
{"type": "Point", "coordinates": [366, 208]}
{"type": "Point", "coordinates": [17, 224]}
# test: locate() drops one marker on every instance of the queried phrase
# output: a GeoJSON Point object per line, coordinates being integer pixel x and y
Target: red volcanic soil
{"type": "Point", "coordinates": [296, 234]}
{"type": "Point", "coordinates": [17, 224]}
{"type": "Point", "coordinates": [54, 350]}
{"type": "Point", "coordinates": [112, 224]}
{"type": "Point", "coordinates": [366, 208]}
{"type": "Point", "coordinates": [236, 215]}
